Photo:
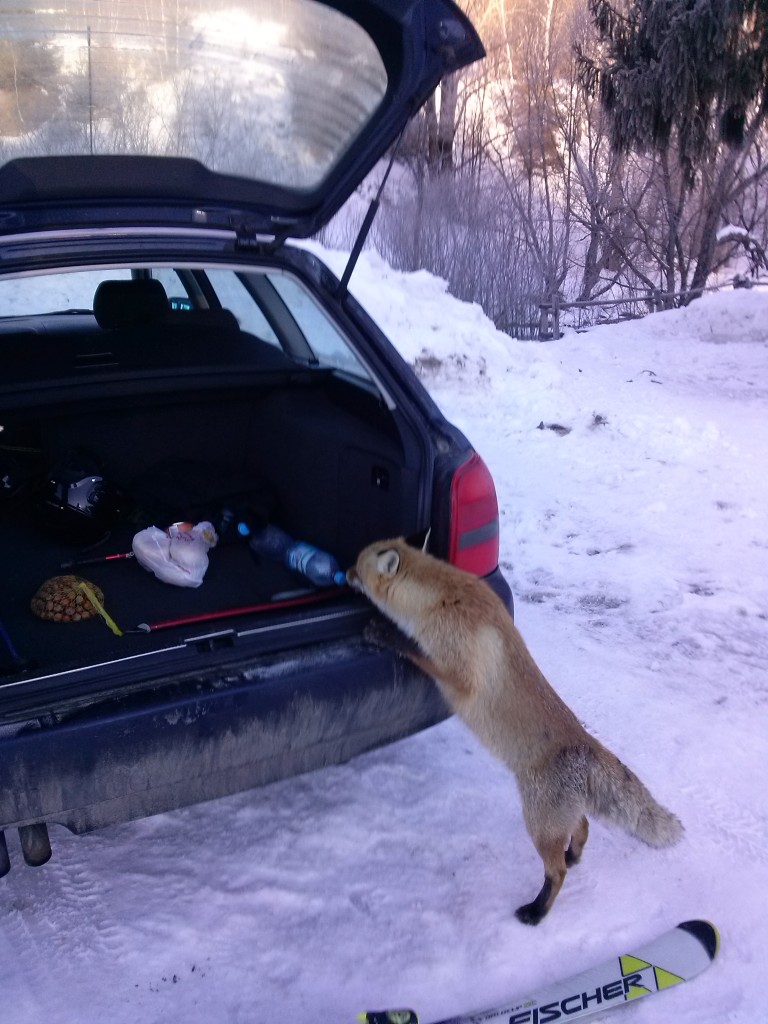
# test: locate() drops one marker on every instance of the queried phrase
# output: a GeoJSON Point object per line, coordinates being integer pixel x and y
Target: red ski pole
{"type": "Point", "coordinates": [227, 613]}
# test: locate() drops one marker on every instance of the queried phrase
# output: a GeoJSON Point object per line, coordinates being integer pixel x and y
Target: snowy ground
{"type": "Point", "coordinates": [637, 547]}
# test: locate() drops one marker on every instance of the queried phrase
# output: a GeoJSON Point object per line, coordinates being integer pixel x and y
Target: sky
{"type": "Point", "coordinates": [635, 539]}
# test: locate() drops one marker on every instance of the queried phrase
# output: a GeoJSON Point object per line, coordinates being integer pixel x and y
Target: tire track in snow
{"type": "Point", "coordinates": [84, 905]}
{"type": "Point", "coordinates": [58, 927]}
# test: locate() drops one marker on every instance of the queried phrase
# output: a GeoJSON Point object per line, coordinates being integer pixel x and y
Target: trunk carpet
{"type": "Point", "coordinates": [132, 595]}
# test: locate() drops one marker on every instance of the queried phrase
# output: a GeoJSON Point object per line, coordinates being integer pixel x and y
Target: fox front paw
{"type": "Point", "coordinates": [379, 633]}
{"type": "Point", "coordinates": [383, 633]}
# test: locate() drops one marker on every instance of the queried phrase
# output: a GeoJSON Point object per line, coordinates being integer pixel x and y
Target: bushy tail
{"type": "Point", "coordinates": [618, 795]}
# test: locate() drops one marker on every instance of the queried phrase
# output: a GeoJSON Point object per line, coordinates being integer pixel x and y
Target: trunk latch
{"type": "Point", "coordinates": [213, 641]}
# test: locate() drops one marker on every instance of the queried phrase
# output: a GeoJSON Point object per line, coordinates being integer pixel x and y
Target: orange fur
{"type": "Point", "coordinates": [460, 633]}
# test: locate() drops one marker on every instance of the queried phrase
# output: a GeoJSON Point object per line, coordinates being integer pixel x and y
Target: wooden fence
{"type": "Point", "coordinates": [635, 306]}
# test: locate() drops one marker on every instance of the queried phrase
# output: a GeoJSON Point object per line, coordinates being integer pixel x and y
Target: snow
{"type": "Point", "coordinates": [636, 543]}
{"type": "Point", "coordinates": [729, 232]}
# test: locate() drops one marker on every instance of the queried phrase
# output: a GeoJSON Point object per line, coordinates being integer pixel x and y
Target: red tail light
{"type": "Point", "coordinates": [474, 540]}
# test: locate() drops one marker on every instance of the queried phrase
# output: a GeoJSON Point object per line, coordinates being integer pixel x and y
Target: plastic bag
{"type": "Point", "coordinates": [178, 555]}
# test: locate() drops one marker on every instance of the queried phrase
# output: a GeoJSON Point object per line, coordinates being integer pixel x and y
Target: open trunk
{"type": "Point", "coordinates": [167, 354]}
{"type": "Point", "coordinates": [250, 435]}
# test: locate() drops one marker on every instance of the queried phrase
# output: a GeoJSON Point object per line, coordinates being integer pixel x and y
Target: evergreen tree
{"type": "Point", "coordinates": [688, 79]}
{"type": "Point", "coordinates": [682, 73]}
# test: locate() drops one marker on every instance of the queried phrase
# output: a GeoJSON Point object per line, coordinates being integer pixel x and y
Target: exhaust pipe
{"type": "Point", "coordinates": [35, 844]}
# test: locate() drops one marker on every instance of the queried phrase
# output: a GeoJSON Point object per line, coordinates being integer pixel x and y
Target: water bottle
{"type": "Point", "coordinates": [318, 566]}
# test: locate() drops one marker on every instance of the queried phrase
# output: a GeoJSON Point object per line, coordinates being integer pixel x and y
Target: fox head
{"type": "Point", "coordinates": [377, 567]}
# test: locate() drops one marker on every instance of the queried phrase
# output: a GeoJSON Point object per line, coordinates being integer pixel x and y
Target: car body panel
{"type": "Point", "coordinates": [210, 737]}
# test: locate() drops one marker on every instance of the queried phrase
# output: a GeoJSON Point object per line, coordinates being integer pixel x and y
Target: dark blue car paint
{"type": "Point", "coordinates": [89, 763]}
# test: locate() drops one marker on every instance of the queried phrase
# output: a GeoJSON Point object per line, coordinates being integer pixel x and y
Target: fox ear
{"type": "Point", "coordinates": [388, 562]}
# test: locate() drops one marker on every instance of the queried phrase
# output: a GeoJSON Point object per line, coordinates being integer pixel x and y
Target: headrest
{"type": "Point", "coordinates": [129, 303]}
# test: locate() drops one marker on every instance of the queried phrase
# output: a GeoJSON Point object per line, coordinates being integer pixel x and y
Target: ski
{"type": "Point", "coordinates": [670, 959]}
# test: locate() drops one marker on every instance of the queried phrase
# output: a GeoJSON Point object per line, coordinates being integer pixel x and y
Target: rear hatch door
{"type": "Point", "coordinates": [117, 112]}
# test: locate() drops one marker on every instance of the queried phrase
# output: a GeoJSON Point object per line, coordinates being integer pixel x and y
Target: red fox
{"type": "Point", "coordinates": [453, 626]}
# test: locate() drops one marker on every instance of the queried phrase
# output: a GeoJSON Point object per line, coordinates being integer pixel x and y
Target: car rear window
{"type": "Point", "coordinates": [275, 92]}
{"type": "Point", "coordinates": [37, 295]}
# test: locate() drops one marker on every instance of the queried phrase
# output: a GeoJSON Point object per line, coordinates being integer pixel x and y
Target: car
{"type": "Point", "coordinates": [182, 372]}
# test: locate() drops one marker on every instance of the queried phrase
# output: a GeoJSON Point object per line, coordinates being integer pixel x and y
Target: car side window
{"type": "Point", "coordinates": [233, 295]}
{"type": "Point", "coordinates": [323, 337]}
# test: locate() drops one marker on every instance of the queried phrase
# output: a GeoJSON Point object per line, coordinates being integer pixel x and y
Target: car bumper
{"type": "Point", "coordinates": [198, 738]}
{"type": "Point", "coordinates": [275, 718]}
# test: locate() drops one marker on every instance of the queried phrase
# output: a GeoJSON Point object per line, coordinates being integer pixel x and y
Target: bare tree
{"type": "Point", "coordinates": [517, 195]}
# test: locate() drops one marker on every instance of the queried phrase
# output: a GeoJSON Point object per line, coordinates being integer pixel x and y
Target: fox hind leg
{"type": "Point", "coordinates": [577, 843]}
{"type": "Point", "coordinates": [551, 849]}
